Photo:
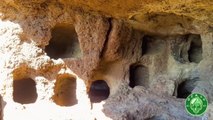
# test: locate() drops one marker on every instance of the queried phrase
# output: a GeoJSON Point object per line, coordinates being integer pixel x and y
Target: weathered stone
{"type": "Point", "coordinates": [150, 55]}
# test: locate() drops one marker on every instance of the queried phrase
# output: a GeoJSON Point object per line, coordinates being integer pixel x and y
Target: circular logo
{"type": "Point", "coordinates": [196, 104]}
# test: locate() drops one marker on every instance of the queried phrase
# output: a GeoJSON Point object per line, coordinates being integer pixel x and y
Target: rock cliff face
{"type": "Point", "coordinates": [110, 59]}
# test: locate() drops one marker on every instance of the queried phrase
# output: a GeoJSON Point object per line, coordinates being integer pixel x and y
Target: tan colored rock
{"type": "Point", "coordinates": [150, 55]}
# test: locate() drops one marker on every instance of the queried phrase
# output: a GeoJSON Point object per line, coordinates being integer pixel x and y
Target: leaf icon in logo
{"type": "Point", "coordinates": [196, 104]}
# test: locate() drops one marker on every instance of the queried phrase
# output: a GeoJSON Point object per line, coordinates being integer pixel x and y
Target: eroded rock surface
{"type": "Point", "coordinates": [147, 56]}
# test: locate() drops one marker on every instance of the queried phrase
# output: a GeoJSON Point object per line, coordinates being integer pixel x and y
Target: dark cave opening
{"type": "Point", "coordinates": [152, 45]}
{"type": "Point", "coordinates": [145, 44]}
{"type": "Point", "coordinates": [195, 50]}
{"type": "Point", "coordinates": [99, 91]}
{"type": "Point", "coordinates": [65, 91]}
{"type": "Point", "coordinates": [139, 76]}
{"type": "Point", "coordinates": [24, 91]}
{"type": "Point", "coordinates": [64, 42]}
{"type": "Point", "coordinates": [185, 88]}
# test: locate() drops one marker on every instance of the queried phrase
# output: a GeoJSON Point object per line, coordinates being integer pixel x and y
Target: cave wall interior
{"type": "Point", "coordinates": [71, 61]}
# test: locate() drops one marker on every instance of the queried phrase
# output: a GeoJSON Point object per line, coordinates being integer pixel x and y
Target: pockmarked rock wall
{"type": "Point", "coordinates": [103, 60]}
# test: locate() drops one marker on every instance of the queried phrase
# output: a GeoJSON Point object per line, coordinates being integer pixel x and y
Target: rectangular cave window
{"type": "Point", "coordinates": [195, 50]}
{"type": "Point", "coordinates": [187, 48]}
{"type": "Point", "coordinates": [99, 91]}
{"type": "Point", "coordinates": [152, 45]}
{"type": "Point", "coordinates": [145, 44]}
{"type": "Point", "coordinates": [64, 42]}
{"type": "Point", "coordinates": [139, 76]}
{"type": "Point", "coordinates": [65, 91]}
{"type": "Point", "coordinates": [24, 91]}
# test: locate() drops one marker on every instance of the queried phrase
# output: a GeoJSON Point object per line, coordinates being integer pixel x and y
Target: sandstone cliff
{"type": "Point", "coordinates": [104, 59]}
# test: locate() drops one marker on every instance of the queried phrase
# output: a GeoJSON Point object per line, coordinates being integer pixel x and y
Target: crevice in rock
{"type": "Point", "coordinates": [139, 76]}
{"type": "Point", "coordinates": [195, 50]}
{"type": "Point", "coordinates": [99, 91]}
{"type": "Point", "coordinates": [24, 91]}
{"type": "Point", "coordinates": [186, 87]}
{"type": "Point", "coordinates": [64, 42]}
{"type": "Point", "coordinates": [107, 37]}
{"type": "Point", "coordinates": [65, 91]}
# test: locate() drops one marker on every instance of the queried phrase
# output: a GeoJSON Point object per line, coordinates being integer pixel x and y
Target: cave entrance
{"type": "Point", "coordinates": [24, 91]}
{"type": "Point", "coordinates": [99, 91]}
{"type": "Point", "coordinates": [65, 91]}
{"type": "Point", "coordinates": [185, 88]}
{"type": "Point", "coordinates": [64, 42]}
{"type": "Point", "coordinates": [139, 76]}
{"type": "Point", "coordinates": [195, 51]}
{"type": "Point", "coordinates": [152, 45]}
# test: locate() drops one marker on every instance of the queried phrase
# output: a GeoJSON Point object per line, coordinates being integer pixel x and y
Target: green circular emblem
{"type": "Point", "coordinates": [196, 104]}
